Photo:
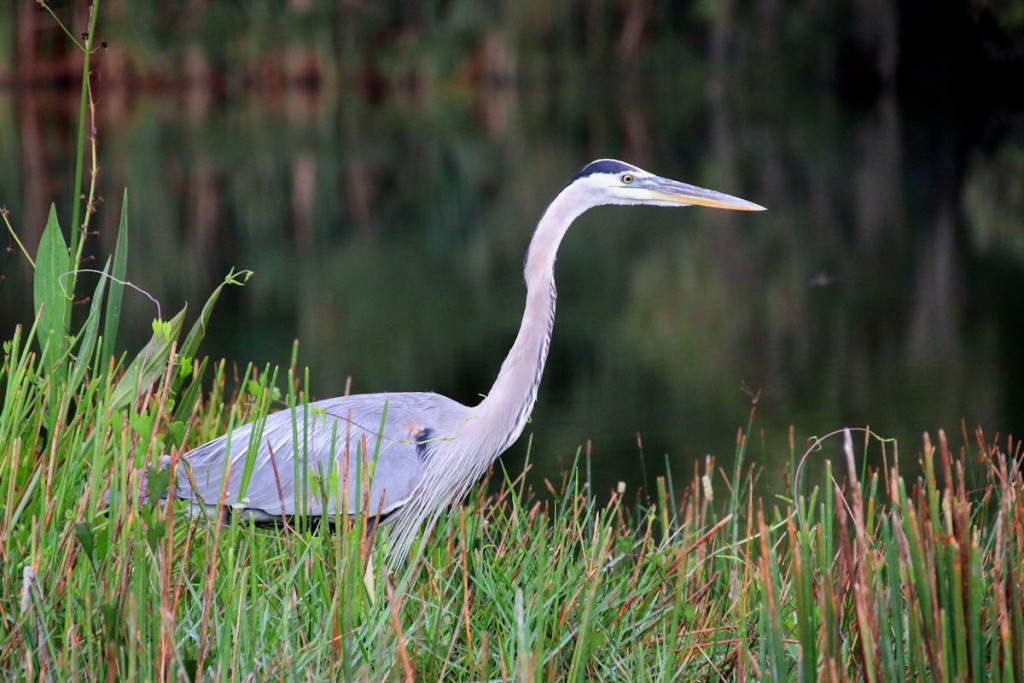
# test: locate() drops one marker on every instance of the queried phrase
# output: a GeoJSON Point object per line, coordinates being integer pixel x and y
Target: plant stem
{"type": "Point", "coordinates": [76, 207]}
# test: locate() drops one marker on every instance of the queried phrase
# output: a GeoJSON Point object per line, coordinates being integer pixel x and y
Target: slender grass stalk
{"type": "Point", "coordinates": [76, 200]}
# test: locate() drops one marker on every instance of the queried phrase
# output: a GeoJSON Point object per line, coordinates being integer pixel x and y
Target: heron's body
{"type": "Point", "coordinates": [425, 450]}
{"type": "Point", "coordinates": [340, 431]}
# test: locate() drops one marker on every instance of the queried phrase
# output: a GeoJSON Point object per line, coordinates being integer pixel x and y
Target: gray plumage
{"type": "Point", "coordinates": [431, 449]}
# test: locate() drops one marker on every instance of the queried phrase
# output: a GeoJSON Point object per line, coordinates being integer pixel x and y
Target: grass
{"type": "Point", "coordinates": [877, 580]}
{"type": "Point", "coordinates": [866, 576]}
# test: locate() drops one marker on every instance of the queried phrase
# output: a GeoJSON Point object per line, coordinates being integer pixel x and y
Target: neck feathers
{"type": "Point", "coordinates": [511, 399]}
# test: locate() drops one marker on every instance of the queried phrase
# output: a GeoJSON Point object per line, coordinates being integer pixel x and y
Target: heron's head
{"type": "Point", "coordinates": [607, 181]}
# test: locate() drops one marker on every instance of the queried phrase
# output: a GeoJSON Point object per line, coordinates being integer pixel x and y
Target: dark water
{"type": "Point", "coordinates": [884, 286]}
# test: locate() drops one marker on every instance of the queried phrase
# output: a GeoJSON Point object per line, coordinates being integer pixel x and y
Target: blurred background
{"type": "Point", "coordinates": [381, 166]}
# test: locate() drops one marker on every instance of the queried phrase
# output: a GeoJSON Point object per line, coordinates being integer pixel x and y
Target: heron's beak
{"type": "Point", "coordinates": [674, 192]}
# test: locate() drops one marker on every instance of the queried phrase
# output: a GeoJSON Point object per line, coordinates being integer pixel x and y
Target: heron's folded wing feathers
{"type": "Point", "coordinates": [296, 462]}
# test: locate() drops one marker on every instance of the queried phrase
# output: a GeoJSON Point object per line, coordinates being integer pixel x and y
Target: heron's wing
{"type": "Point", "coordinates": [303, 462]}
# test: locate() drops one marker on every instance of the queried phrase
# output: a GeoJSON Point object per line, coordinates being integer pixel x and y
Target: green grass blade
{"type": "Point", "coordinates": [975, 590]}
{"type": "Point", "coordinates": [149, 364]}
{"type": "Point", "coordinates": [112, 319]}
{"type": "Point", "coordinates": [198, 330]}
{"type": "Point", "coordinates": [187, 401]}
{"type": "Point", "coordinates": [90, 331]}
{"type": "Point", "coordinates": [898, 606]}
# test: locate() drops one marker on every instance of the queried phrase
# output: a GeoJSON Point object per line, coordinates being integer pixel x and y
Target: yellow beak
{"type": "Point", "coordinates": [674, 192]}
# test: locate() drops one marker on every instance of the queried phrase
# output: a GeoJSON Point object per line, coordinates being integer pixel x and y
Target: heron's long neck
{"type": "Point", "coordinates": [511, 398]}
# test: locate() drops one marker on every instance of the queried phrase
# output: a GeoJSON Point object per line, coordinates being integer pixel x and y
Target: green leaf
{"type": "Point", "coordinates": [90, 330]}
{"type": "Point", "coordinates": [157, 481]}
{"type": "Point", "coordinates": [149, 364]}
{"type": "Point", "coordinates": [52, 304]}
{"type": "Point", "coordinates": [187, 401]}
{"type": "Point", "coordinates": [111, 620]}
{"type": "Point", "coordinates": [198, 330]}
{"type": "Point", "coordinates": [176, 434]}
{"type": "Point", "coordinates": [141, 424]}
{"type": "Point", "coordinates": [85, 538]}
{"type": "Point", "coordinates": [113, 315]}
{"type": "Point", "coordinates": [155, 533]}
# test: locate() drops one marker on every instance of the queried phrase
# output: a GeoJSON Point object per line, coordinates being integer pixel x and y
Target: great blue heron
{"type": "Point", "coordinates": [425, 450]}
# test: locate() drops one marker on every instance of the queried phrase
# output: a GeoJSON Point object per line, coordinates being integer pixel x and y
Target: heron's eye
{"type": "Point", "coordinates": [626, 178]}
